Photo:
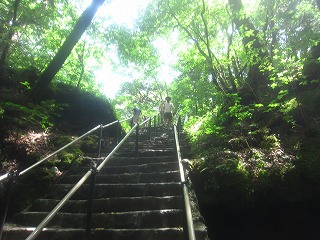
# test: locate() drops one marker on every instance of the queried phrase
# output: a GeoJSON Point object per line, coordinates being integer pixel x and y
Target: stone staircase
{"type": "Point", "coordinates": [136, 198]}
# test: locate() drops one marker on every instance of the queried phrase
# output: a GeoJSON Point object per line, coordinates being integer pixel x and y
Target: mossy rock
{"type": "Point", "coordinates": [90, 144]}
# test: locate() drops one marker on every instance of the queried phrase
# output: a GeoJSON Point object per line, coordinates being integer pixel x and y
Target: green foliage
{"type": "Point", "coordinates": [1, 112]}
{"type": "Point", "coordinates": [133, 46]}
{"type": "Point", "coordinates": [69, 156]}
{"type": "Point", "coordinates": [192, 89]}
{"type": "Point", "coordinates": [61, 141]}
{"type": "Point", "coordinates": [241, 157]}
{"type": "Point", "coordinates": [270, 142]}
{"type": "Point", "coordinates": [198, 128]}
{"type": "Point", "coordinates": [26, 84]}
{"type": "Point", "coordinates": [147, 95]}
{"type": "Point", "coordinates": [38, 33]}
{"type": "Point", "coordinates": [90, 144]}
{"type": "Point", "coordinates": [241, 176]}
{"type": "Point", "coordinates": [35, 32]}
{"type": "Point", "coordinates": [239, 111]}
{"type": "Point", "coordinates": [227, 180]}
{"type": "Point", "coordinates": [23, 116]}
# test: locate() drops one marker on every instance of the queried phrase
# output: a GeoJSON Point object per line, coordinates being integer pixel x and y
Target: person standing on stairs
{"type": "Point", "coordinates": [168, 108]}
{"type": "Point", "coordinates": [136, 115]}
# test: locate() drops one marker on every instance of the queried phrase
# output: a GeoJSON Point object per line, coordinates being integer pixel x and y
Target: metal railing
{"type": "Point", "coordinates": [95, 170]}
{"type": "Point", "coordinates": [92, 172]}
{"type": "Point", "coordinates": [13, 175]}
{"type": "Point", "coordinates": [186, 198]}
{"type": "Point", "coordinates": [3, 177]}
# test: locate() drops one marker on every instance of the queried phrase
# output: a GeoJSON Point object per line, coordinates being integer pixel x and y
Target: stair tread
{"type": "Point", "coordinates": [52, 233]}
{"type": "Point", "coordinates": [14, 227]}
{"type": "Point", "coordinates": [133, 198]}
{"type": "Point", "coordinates": [129, 173]}
{"type": "Point", "coordinates": [122, 184]}
{"type": "Point", "coordinates": [105, 213]}
{"type": "Point", "coordinates": [108, 166]}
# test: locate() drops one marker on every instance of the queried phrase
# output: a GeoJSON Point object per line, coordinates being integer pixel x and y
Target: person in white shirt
{"type": "Point", "coordinates": [168, 108]}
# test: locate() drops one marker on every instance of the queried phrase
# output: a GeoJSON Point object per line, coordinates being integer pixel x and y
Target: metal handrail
{"type": "Point", "coordinates": [189, 219]}
{"type": "Point", "coordinates": [62, 148]}
{"type": "Point", "coordinates": [38, 229]}
{"type": "Point", "coordinates": [49, 217]}
{"type": "Point", "coordinates": [50, 155]}
{"type": "Point", "coordinates": [13, 175]}
{"type": "Point", "coordinates": [124, 120]}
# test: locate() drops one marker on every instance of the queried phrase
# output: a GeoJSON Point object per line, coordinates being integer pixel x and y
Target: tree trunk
{"type": "Point", "coordinates": [257, 54]}
{"type": "Point", "coordinates": [56, 64]}
{"type": "Point", "coordinates": [82, 64]}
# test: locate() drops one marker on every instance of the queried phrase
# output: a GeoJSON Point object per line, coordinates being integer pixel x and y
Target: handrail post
{"type": "Point", "coordinates": [90, 201]}
{"type": "Point", "coordinates": [149, 128]}
{"type": "Point", "coordinates": [155, 123]}
{"type": "Point", "coordinates": [137, 140]}
{"type": "Point", "coordinates": [118, 129]}
{"type": "Point", "coordinates": [12, 177]}
{"type": "Point", "coordinates": [100, 140]}
{"type": "Point", "coordinates": [179, 125]}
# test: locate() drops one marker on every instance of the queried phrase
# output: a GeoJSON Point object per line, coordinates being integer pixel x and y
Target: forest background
{"type": "Point", "coordinates": [245, 79]}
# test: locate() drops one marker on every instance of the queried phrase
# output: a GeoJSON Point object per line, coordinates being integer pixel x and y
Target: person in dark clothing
{"type": "Point", "coordinates": [136, 115]}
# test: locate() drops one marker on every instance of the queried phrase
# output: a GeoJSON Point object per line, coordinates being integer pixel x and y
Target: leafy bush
{"type": "Point", "coordinates": [69, 156]}
{"type": "Point", "coordinates": [34, 115]}
{"type": "Point", "coordinates": [90, 144]}
{"type": "Point", "coordinates": [241, 158]}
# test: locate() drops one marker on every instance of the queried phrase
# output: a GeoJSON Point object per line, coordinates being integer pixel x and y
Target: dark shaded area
{"type": "Point", "coordinates": [280, 221]}
{"type": "Point", "coordinates": [266, 215]}
{"type": "Point", "coordinates": [81, 111]}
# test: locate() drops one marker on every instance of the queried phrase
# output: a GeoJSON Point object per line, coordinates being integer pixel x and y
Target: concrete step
{"type": "Point", "coordinates": [19, 233]}
{"type": "Point", "coordinates": [118, 220]}
{"type": "Point", "coordinates": [142, 168]}
{"type": "Point", "coordinates": [123, 161]}
{"type": "Point", "coordinates": [130, 152]}
{"type": "Point", "coordinates": [118, 204]}
{"type": "Point", "coordinates": [150, 142]}
{"type": "Point", "coordinates": [58, 191]}
{"type": "Point", "coordinates": [153, 177]}
{"type": "Point", "coordinates": [13, 232]}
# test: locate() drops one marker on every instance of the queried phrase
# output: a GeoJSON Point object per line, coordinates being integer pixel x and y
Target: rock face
{"type": "Point", "coordinates": [135, 198]}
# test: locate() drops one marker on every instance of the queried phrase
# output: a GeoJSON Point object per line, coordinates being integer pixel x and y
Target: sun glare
{"type": "Point", "coordinates": [121, 12]}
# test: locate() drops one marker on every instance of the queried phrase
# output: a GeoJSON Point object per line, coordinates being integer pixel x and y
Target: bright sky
{"type": "Point", "coordinates": [124, 12]}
